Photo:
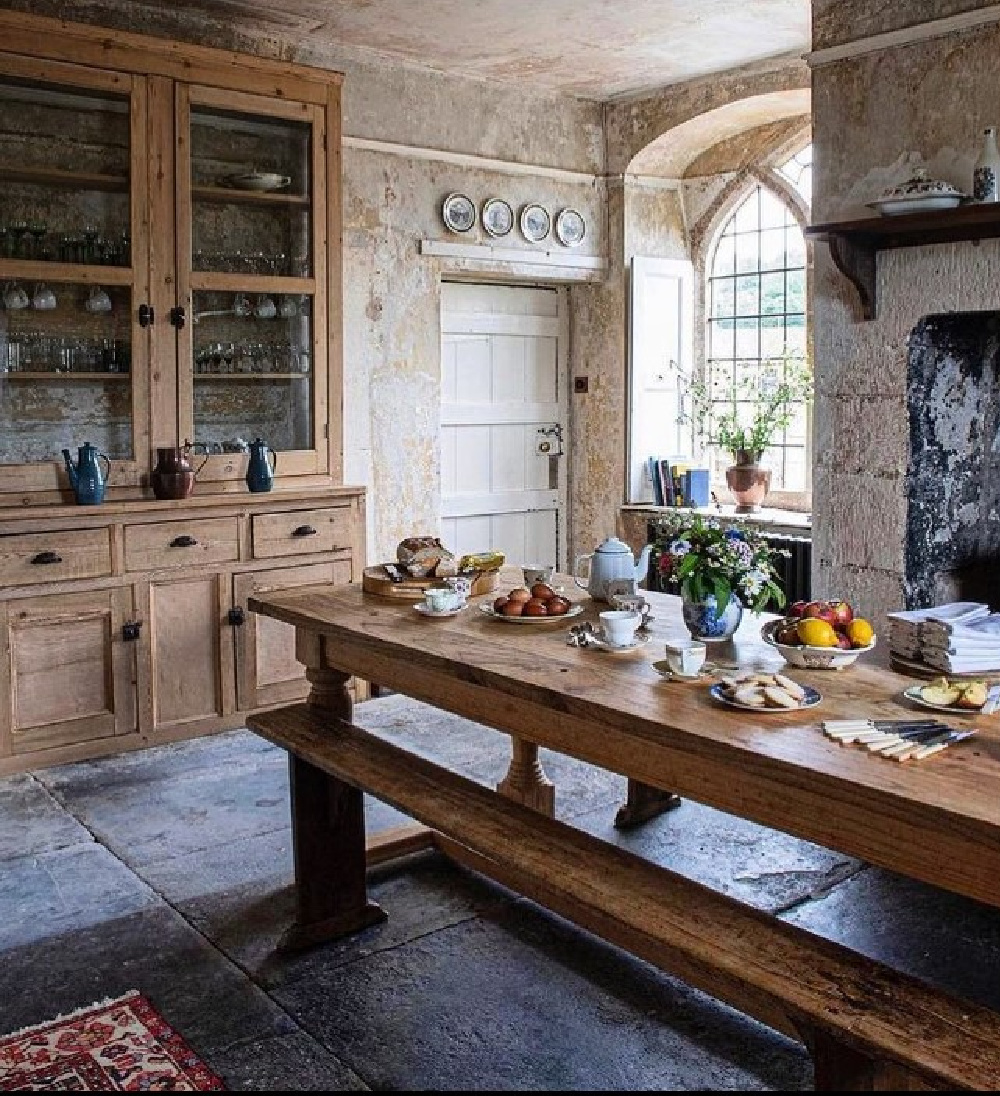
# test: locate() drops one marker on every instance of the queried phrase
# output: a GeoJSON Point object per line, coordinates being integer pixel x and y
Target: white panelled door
{"type": "Point", "coordinates": [503, 418]}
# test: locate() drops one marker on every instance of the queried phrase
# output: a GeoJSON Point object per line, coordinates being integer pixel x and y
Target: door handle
{"type": "Point", "coordinates": [178, 317]}
{"type": "Point", "coordinates": [147, 317]}
{"type": "Point", "coordinates": [237, 617]}
{"type": "Point", "coordinates": [131, 630]}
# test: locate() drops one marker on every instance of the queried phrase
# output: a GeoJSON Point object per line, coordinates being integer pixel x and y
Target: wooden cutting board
{"type": "Point", "coordinates": [375, 580]}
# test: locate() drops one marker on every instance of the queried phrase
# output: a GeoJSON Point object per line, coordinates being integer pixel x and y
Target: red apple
{"type": "Point", "coordinates": [821, 611]}
{"type": "Point", "coordinates": [796, 609]}
{"type": "Point", "coordinates": [842, 611]}
{"type": "Point", "coordinates": [844, 642]}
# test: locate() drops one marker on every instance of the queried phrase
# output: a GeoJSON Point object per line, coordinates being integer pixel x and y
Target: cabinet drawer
{"type": "Point", "coordinates": [301, 532]}
{"type": "Point", "coordinates": [167, 544]}
{"type": "Point", "coordinates": [27, 558]}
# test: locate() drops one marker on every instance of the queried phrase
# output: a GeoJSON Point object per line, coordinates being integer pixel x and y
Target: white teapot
{"type": "Point", "coordinates": [611, 560]}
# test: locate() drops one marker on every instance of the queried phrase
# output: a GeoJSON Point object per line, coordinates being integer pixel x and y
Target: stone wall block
{"type": "Point", "coordinates": [868, 517]}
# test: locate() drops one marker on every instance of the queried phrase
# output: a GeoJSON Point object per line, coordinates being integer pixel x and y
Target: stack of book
{"type": "Point", "coordinates": [678, 484]}
{"type": "Point", "coordinates": [958, 638]}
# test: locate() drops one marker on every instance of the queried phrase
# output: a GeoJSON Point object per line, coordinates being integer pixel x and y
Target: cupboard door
{"type": "Point", "coordinates": [189, 653]}
{"type": "Point", "coordinates": [67, 675]}
{"type": "Point", "coordinates": [252, 276]}
{"type": "Point", "coordinates": [267, 671]}
{"type": "Point", "coordinates": [74, 271]}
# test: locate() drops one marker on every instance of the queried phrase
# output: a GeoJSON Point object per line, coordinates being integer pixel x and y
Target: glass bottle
{"type": "Point", "coordinates": [986, 173]}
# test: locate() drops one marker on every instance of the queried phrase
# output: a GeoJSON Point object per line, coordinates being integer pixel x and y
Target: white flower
{"type": "Point", "coordinates": [680, 548]}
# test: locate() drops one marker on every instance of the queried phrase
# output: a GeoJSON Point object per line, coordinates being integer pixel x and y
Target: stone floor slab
{"type": "Point", "coordinates": [32, 821]}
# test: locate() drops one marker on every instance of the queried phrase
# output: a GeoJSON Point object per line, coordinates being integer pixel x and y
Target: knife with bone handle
{"type": "Point", "coordinates": [898, 738]}
{"type": "Point", "coordinates": [920, 750]}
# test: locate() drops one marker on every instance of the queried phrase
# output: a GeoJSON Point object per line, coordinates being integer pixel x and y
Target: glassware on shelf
{"type": "Point", "coordinates": [43, 299]}
{"type": "Point", "coordinates": [14, 297]}
{"type": "Point", "coordinates": [265, 308]}
{"type": "Point", "coordinates": [242, 306]}
{"type": "Point", "coordinates": [38, 230]}
{"type": "Point", "coordinates": [16, 231]}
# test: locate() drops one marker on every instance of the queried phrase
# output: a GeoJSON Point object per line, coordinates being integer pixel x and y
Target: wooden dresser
{"type": "Point", "coordinates": [125, 625]}
{"type": "Point", "coordinates": [170, 263]}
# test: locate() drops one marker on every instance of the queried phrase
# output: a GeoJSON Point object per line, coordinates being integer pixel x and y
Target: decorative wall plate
{"type": "Point", "coordinates": [535, 223]}
{"type": "Point", "coordinates": [498, 217]}
{"type": "Point", "coordinates": [459, 212]}
{"type": "Point", "coordinates": [570, 227]}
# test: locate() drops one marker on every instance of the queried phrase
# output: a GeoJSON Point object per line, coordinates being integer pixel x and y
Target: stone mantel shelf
{"type": "Point", "coordinates": [855, 244]}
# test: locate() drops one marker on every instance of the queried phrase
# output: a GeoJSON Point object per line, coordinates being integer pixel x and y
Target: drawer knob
{"type": "Point", "coordinates": [131, 631]}
{"type": "Point", "coordinates": [183, 542]}
{"type": "Point", "coordinates": [46, 557]}
{"type": "Point", "coordinates": [304, 531]}
{"type": "Point", "coordinates": [237, 617]}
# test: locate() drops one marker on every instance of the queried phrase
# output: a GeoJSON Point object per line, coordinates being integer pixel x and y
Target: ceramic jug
{"type": "Point", "coordinates": [173, 477]}
{"type": "Point", "coordinates": [85, 475]}
{"type": "Point", "coordinates": [261, 467]}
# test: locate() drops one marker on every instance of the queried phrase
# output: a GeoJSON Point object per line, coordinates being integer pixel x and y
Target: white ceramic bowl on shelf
{"type": "Point", "coordinates": [813, 658]}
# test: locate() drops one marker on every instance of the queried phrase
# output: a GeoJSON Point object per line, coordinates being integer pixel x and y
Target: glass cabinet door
{"type": "Point", "coordinates": [68, 334]}
{"type": "Point", "coordinates": [252, 254]}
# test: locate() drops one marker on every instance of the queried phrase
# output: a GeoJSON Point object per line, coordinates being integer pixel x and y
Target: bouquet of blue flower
{"type": "Point", "coordinates": [702, 557]}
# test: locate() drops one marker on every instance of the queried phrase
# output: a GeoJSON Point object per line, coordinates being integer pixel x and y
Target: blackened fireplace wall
{"type": "Point", "coordinates": [952, 548]}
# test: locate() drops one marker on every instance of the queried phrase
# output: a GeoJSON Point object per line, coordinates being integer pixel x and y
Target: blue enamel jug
{"type": "Point", "coordinates": [85, 476]}
{"type": "Point", "coordinates": [262, 466]}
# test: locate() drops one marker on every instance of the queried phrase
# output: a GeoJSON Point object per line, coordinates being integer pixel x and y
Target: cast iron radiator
{"type": "Point", "coordinates": [794, 570]}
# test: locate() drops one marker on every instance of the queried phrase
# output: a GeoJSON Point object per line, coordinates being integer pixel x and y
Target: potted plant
{"type": "Point", "coordinates": [719, 569]}
{"type": "Point", "coordinates": [747, 424]}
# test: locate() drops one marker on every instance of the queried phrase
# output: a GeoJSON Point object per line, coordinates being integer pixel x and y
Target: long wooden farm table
{"type": "Point", "coordinates": [937, 821]}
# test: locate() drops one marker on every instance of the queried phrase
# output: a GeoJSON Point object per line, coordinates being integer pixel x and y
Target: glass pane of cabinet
{"type": "Point", "coordinates": [65, 171]}
{"type": "Point", "coordinates": [251, 191]}
{"type": "Point", "coordinates": [253, 370]}
{"type": "Point", "coordinates": [65, 370]}
{"type": "Point", "coordinates": [254, 355]}
{"type": "Point", "coordinates": [66, 284]}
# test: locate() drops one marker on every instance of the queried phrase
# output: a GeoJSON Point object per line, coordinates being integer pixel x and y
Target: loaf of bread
{"type": "Point", "coordinates": [421, 557]}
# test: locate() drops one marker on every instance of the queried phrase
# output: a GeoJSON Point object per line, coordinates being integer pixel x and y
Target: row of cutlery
{"type": "Point", "coordinates": [898, 739]}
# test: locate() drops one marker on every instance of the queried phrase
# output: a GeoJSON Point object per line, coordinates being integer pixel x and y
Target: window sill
{"type": "Point", "coordinates": [795, 522]}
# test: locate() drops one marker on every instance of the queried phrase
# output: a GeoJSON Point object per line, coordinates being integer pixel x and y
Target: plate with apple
{"type": "Point", "coordinates": [820, 635]}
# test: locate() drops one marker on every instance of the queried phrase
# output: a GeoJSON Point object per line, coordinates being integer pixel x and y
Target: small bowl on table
{"type": "Point", "coordinates": [813, 658]}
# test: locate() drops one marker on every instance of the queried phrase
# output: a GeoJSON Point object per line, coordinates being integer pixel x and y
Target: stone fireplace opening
{"type": "Point", "coordinates": [952, 549]}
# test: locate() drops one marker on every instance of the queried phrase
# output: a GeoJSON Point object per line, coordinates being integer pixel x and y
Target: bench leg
{"type": "Point", "coordinates": [526, 781]}
{"type": "Point", "coordinates": [644, 803]}
{"type": "Point", "coordinates": [328, 832]}
{"type": "Point", "coordinates": [839, 1068]}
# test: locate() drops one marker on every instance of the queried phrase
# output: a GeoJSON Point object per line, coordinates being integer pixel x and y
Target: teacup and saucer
{"type": "Point", "coordinates": [685, 658]}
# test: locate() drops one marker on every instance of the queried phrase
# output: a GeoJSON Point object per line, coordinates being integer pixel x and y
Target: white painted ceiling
{"type": "Point", "coordinates": [598, 49]}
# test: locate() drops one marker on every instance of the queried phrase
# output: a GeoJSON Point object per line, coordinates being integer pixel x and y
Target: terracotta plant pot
{"type": "Point", "coordinates": [749, 484]}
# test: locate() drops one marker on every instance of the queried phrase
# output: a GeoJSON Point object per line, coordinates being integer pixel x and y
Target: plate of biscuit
{"type": "Point", "coordinates": [760, 692]}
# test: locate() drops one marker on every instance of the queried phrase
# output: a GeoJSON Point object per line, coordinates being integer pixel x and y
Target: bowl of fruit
{"type": "Point", "coordinates": [820, 635]}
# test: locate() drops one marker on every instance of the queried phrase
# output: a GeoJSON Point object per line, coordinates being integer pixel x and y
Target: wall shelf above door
{"type": "Point", "coordinates": [854, 245]}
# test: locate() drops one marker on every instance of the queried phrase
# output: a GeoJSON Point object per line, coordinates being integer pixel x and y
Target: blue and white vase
{"type": "Point", "coordinates": [704, 621]}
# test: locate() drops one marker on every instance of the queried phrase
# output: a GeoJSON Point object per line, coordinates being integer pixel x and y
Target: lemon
{"type": "Point", "coordinates": [816, 633]}
{"type": "Point", "coordinates": [860, 632]}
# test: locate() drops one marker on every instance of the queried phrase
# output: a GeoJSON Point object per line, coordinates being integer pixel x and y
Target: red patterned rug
{"type": "Point", "coordinates": [122, 1045]}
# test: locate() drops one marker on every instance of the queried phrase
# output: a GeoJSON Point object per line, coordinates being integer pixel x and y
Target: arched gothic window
{"type": "Point", "coordinates": [756, 316]}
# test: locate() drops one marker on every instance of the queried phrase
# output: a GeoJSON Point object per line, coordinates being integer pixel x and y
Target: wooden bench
{"type": "Point", "coordinates": [865, 1025]}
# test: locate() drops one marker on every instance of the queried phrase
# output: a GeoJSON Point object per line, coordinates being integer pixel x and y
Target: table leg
{"type": "Point", "coordinates": [328, 833]}
{"type": "Point", "coordinates": [526, 781]}
{"type": "Point", "coordinates": [644, 803]}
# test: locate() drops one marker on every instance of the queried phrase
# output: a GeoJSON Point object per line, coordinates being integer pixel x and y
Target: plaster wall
{"type": "Point", "coordinates": [933, 96]}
